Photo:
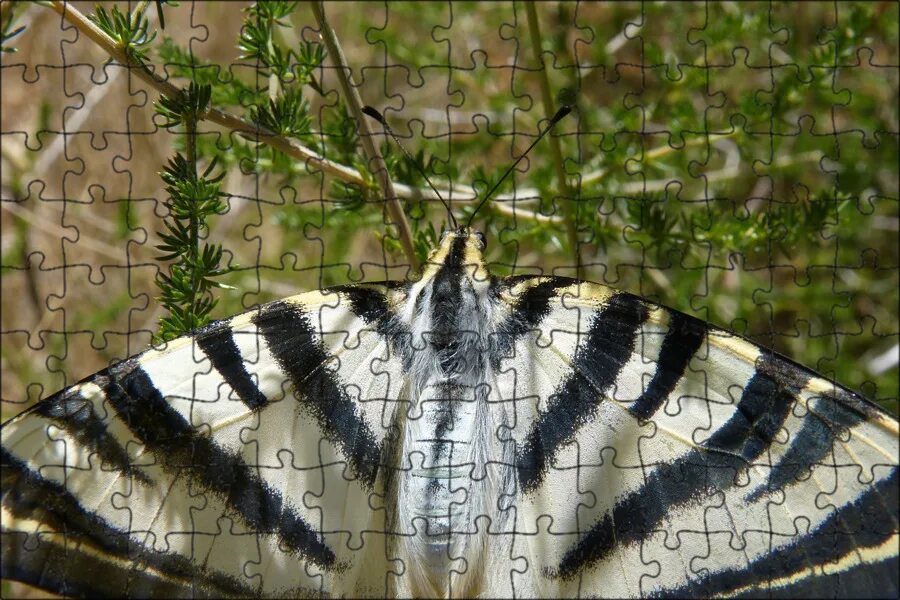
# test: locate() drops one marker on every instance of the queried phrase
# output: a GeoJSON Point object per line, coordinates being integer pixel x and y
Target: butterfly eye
{"type": "Point", "coordinates": [482, 239]}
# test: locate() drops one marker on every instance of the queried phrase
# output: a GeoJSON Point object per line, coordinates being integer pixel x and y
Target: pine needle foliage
{"type": "Point", "coordinates": [186, 289]}
{"type": "Point", "coordinates": [131, 31]}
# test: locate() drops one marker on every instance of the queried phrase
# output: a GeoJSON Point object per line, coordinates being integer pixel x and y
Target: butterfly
{"type": "Point", "coordinates": [458, 435]}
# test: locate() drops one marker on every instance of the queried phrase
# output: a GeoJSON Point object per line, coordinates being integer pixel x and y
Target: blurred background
{"type": "Point", "coordinates": [736, 161]}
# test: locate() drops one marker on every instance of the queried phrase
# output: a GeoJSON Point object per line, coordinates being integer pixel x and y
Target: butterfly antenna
{"type": "Point", "coordinates": [377, 116]}
{"type": "Point", "coordinates": [562, 112]}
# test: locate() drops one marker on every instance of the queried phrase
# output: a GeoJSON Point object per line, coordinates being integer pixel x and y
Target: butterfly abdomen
{"type": "Point", "coordinates": [441, 455]}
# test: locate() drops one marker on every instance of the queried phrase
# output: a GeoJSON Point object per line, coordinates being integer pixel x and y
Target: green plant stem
{"type": "Point", "coordinates": [190, 134]}
{"type": "Point", "coordinates": [274, 78]}
{"type": "Point", "coordinates": [570, 215]}
{"type": "Point", "coordinates": [354, 102]}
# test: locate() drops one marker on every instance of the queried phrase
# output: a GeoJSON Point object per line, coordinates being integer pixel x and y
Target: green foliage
{"type": "Point", "coordinates": [6, 28]}
{"type": "Point", "coordinates": [130, 31]}
{"type": "Point", "coordinates": [186, 290]}
{"type": "Point", "coordinates": [160, 13]}
{"type": "Point", "coordinates": [426, 240]}
{"type": "Point", "coordinates": [186, 108]}
{"type": "Point", "coordinates": [280, 106]}
{"type": "Point", "coordinates": [259, 42]}
{"type": "Point", "coordinates": [408, 169]}
{"type": "Point", "coordinates": [342, 140]}
{"type": "Point", "coordinates": [287, 115]}
{"type": "Point", "coordinates": [310, 57]}
{"type": "Point", "coordinates": [227, 91]}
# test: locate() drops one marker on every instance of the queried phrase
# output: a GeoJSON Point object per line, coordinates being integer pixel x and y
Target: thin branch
{"type": "Point", "coordinates": [250, 130]}
{"type": "Point", "coordinates": [355, 104]}
{"type": "Point", "coordinates": [654, 153]}
{"type": "Point", "coordinates": [521, 213]}
{"type": "Point", "coordinates": [569, 214]}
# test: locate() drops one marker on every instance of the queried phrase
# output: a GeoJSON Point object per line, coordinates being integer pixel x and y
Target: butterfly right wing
{"type": "Point", "coordinates": [240, 460]}
{"type": "Point", "coordinates": [656, 455]}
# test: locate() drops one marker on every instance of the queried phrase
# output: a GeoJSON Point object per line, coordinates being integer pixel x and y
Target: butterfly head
{"type": "Point", "coordinates": [461, 246]}
{"type": "Point", "coordinates": [467, 233]}
{"type": "Point", "coordinates": [460, 251]}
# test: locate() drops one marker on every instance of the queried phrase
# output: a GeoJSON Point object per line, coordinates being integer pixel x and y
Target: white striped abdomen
{"type": "Point", "coordinates": [441, 452]}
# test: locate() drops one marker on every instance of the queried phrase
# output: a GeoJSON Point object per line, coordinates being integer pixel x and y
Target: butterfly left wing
{"type": "Point", "coordinates": [656, 455]}
{"type": "Point", "coordinates": [240, 460]}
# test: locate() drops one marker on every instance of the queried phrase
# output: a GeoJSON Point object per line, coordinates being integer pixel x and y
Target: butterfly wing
{"type": "Point", "coordinates": [656, 455]}
{"type": "Point", "coordinates": [240, 460]}
{"type": "Point", "coordinates": [652, 455]}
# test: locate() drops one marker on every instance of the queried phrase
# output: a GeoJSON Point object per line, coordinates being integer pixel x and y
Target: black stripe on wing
{"type": "Point", "coordinates": [219, 346]}
{"type": "Point", "coordinates": [76, 415]}
{"type": "Point", "coordinates": [596, 365]}
{"type": "Point", "coordinates": [526, 313]}
{"type": "Point", "coordinates": [372, 307]}
{"type": "Point", "coordinates": [852, 527]}
{"type": "Point", "coordinates": [45, 563]}
{"type": "Point", "coordinates": [764, 405]}
{"type": "Point", "coordinates": [830, 419]}
{"type": "Point", "coordinates": [858, 581]}
{"type": "Point", "coordinates": [683, 339]}
{"type": "Point", "coordinates": [290, 338]}
{"type": "Point", "coordinates": [180, 450]}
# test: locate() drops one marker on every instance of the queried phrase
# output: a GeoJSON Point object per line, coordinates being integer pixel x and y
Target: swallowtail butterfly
{"type": "Point", "coordinates": [458, 435]}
